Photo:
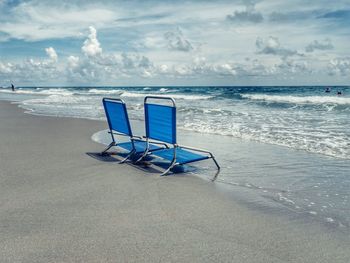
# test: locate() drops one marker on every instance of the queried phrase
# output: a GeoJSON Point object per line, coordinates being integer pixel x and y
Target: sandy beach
{"type": "Point", "coordinates": [58, 204]}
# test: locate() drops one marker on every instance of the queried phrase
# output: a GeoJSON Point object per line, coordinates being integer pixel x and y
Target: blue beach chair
{"type": "Point", "coordinates": [118, 122]}
{"type": "Point", "coordinates": [161, 126]}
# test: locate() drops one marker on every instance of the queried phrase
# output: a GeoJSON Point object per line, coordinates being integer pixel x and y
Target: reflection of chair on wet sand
{"type": "Point", "coordinates": [161, 126]}
{"type": "Point", "coordinates": [118, 122]}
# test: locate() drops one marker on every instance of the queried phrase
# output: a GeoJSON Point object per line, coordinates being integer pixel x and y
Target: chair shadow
{"type": "Point", "coordinates": [215, 176]}
{"type": "Point", "coordinates": [147, 165]}
{"type": "Point", "coordinates": [154, 165]}
{"type": "Point", "coordinates": [109, 158]}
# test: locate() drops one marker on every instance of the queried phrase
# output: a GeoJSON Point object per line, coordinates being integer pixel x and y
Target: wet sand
{"type": "Point", "coordinates": [58, 204]}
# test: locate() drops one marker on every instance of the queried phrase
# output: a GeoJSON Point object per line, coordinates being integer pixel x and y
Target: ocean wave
{"type": "Point", "coordinates": [175, 96]}
{"type": "Point", "coordinates": [299, 99]}
{"type": "Point", "coordinates": [29, 92]}
{"type": "Point", "coordinates": [300, 127]}
{"type": "Point", "coordinates": [51, 91]}
{"type": "Point", "coordinates": [54, 100]}
{"type": "Point", "coordinates": [62, 92]}
{"type": "Point", "coordinates": [104, 91]}
{"type": "Point", "coordinates": [322, 142]}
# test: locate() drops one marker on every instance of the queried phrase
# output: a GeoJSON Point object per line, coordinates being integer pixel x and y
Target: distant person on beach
{"type": "Point", "coordinates": [12, 87]}
{"type": "Point", "coordinates": [328, 89]}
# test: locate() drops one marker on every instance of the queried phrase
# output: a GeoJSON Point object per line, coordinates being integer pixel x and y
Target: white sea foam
{"type": "Point", "coordinates": [104, 91]}
{"type": "Point", "coordinates": [63, 92]}
{"type": "Point", "coordinates": [330, 220]}
{"type": "Point", "coordinates": [299, 99]}
{"type": "Point", "coordinates": [54, 100]}
{"type": "Point", "coordinates": [304, 130]}
{"type": "Point", "coordinates": [51, 91]}
{"type": "Point", "coordinates": [18, 91]}
{"type": "Point", "coordinates": [175, 96]}
{"type": "Point", "coordinates": [313, 212]}
{"type": "Point", "coordinates": [316, 141]}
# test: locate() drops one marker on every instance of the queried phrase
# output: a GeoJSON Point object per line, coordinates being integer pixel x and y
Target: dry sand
{"type": "Point", "coordinates": [57, 204]}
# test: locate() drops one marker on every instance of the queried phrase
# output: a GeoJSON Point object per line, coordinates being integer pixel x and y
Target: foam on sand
{"type": "Point", "coordinates": [39, 91]}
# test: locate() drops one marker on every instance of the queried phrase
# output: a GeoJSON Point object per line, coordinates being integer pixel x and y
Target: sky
{"type": "Point", "coordinates": [171, 43]}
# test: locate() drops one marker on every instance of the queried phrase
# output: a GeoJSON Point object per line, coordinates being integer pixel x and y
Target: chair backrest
{"type": "Point", "coordinates": [117, 116]}
{"type": "Point", "coordinates": [160, 120]}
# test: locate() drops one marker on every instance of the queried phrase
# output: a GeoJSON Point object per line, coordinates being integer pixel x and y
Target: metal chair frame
{"type": "Point", "coordinates": [112, 133]}
{"type": "Point", "coordinates": [174, 162]}
{"type": "Point", "coordinates": [132, 137]}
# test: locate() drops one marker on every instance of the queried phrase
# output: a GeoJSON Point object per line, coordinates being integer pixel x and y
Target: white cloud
{"type": "Point", "coordinates": [31, 71]}
{"type": "Point", "coordinates": [164, 68]}
{"type": "Point", "coordinates": [39, 20]}
{"type": "Point", "coordinates": [249, 15]}
{"type": "Point", "coordinates": [91, 45]}
{"type": "Point", "coordinates": [177, 41]}
{"type": "Point", "coordinates": [224, 69]}
{"type": "Point", "coordinates": [141, 42]}
{"type": "Point", "coordinates": [97, 66]}
{"type": "Point", "coordinates": [50, 51]}
{"type": "Point", "coordinates": [73, 61]}
{"type": "Point", "coordinates": [272, 46]}
{"type": "Point", "coordinates": [339, 66]}
{"type": "Point", "coordinates": [6, 68]}
{"type": "Point", "coordinates": [288, 66]}
{"type": "Point", "coordinates": [199, 67]}
{"type": "Point", "coordinates": [152, 42]}
{"type": "Point", "coordinates": [319, 45]}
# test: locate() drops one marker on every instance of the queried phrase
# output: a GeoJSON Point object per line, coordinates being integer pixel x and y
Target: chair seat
{"type": "Point", "coordinates": [139, 145]}
{"type": "Point", "coordinates": [183, 156]}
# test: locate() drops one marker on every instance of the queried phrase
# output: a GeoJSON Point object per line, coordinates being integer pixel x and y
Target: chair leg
{"type": "Point", "coordinates": [215, 176]}
{"type": "Point", "coordinates": [104, 152]}
{"type": "Point", "coordinates": [216, 163]}
{"type": "Point", "coordinates": [127, 157]}
{"type": "Point", "coordinates": [173, 163]}
{"type": "Point", "coordinates": [142, 156]}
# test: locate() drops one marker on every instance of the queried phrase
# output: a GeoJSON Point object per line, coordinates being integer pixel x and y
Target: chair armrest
{"type": "Point", "coordinates": [195, 149]}
{"type": "Point", "coordinates": [117, 133]}
{"type": "Point", "coordinates": [204, 151]}
{"type": "Point", "coordinates": [154, 142]}
{"type": "Point", "coordinates": [135, 137]}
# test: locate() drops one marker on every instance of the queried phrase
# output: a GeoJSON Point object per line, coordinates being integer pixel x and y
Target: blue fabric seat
{"type": "Point", "coordinates": [160, 121]}
{"type": "Point", "coordinates": [183, 156]}
{"type": "Point", "coordinates": [140, 146]}
{"type": "Point", "coordinates": [119, 124]}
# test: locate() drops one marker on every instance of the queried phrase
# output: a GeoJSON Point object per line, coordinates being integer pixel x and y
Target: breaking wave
{"type": "Point", "coordinates": [299, 99]}
{"type": "Point", "coordinates": [175, 96]}
{"type": "Point", "coordinates": [316, 122]}
{"type": "Point", "coordinates": [105, 91]}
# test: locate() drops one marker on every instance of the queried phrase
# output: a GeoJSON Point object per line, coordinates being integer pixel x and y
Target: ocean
{"type": "Point", "coordinates": [281, 147]}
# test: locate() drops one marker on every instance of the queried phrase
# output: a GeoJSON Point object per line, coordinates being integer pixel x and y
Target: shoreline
{"type": "Point", "coordinates": [278, 204]}
{"type": "Point", "coordinates": [238, 168]}
{"type": "Point", "coordinates": [59, 204]}
{"type": "Point", "coordinates": [139, 122]}
{"type": "Point", "coordinates": [247, 113]}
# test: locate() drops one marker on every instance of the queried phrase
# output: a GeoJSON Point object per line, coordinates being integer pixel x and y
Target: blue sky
{"type": "Point", "coordinates": [243, 42]}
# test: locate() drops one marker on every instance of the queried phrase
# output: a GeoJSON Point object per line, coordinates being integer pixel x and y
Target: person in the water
{"type": "Point", "coordinates": [339, 93]}
{"type": "Point", "coordinates": [328, 89]}
{"type": "Point", "coordinates": [12, 87]}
